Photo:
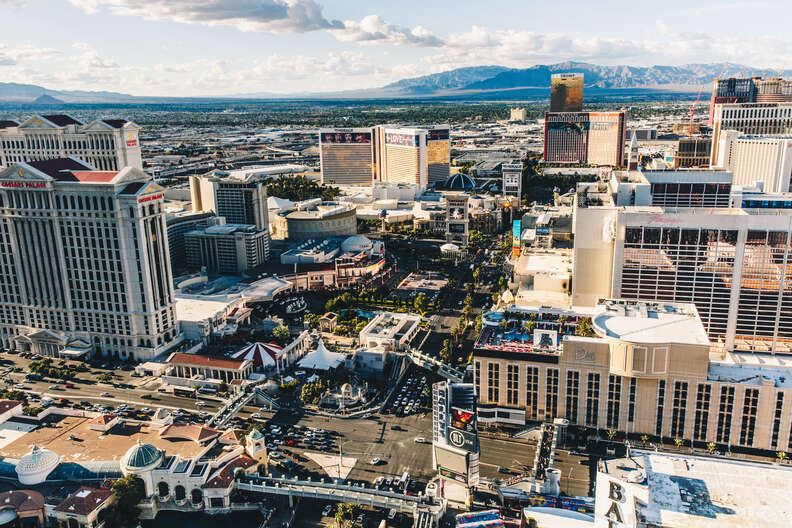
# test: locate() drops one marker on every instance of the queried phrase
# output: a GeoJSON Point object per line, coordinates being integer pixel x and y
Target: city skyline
{"type": "Point", "coordinates": [226, 47]}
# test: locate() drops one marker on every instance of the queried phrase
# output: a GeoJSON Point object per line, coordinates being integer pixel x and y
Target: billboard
{"type": "Point", "coordinates": [345, 137]}
{"type": "Point", "coordinates": [402, 140]}
{"type": "Point", "coordinates": [438, 134]}
{"type": "Point", "coordinates": [516, 232]}
{"type": "Point", "coordinates": [462, 429]}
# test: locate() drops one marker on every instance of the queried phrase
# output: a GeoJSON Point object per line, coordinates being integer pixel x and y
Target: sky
{"type": "Point", "coordinates": [225, 47]}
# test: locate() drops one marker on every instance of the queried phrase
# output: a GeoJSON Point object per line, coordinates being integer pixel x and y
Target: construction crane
{"type": "Point", "coordinates": [693, 110]}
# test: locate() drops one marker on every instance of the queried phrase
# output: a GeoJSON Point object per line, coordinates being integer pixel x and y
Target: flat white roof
{"type": "Point", "coordinates": [702, 492]}
{"type": "Point", "coordinates": [752, 369]}
{"type": "Point", "coordinates": [649, 322]}
{"type": "Point", "coordinates": [547, 264]}
{"type": "Point", "coordinates": [196, 309]}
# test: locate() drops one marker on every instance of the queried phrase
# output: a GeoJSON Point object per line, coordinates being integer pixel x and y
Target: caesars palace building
{"type": "Point", "coordinates": [84, 262]}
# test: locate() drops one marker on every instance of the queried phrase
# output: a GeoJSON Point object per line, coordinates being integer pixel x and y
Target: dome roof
{"type": "Point", "coordinates": [356, 244]}
{"type": "Point", "coordinates": [34, 467]}
{"type": "Point", "coordinates": [460, 182]}
{"type": "Point", "coordinates": [449, 247]}
{"type": "Point", "coordinates": [141, 456]}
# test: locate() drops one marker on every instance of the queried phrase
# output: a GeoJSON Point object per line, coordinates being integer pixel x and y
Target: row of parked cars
{"type": "Point", "coordinates": [410, 398]}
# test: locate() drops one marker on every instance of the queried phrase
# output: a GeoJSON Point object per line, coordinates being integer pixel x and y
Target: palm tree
{"type": "Point", "coordinates": [781, 456]}
{"type": "Point", "coordinates": [611, 434]}
{"type": "Point", "coordinates": [711, 447]}
{"type": "Point", "coordinates": [644, 439]}
{"type": "Point", "coordinates": [678, 442]}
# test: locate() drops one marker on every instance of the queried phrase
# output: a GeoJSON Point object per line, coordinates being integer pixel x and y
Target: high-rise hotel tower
{"type": "Point", "coordinates": [84, 262]}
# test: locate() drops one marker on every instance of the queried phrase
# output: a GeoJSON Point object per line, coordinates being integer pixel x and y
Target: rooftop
{"type": "Point", "coordinates": [61, 119]}
{"type": "Point", "coordinates": [704, 492]}
{"type": "Point", "coordinates": [72, 438]}
{"type": "Point", "coordinates": [7, 405]}
{"type": "Point", "coordinates": [753, 369]}
{"type": "Point", "coordinates": [196, 360]}
{"type": "Point", "coordinates": [649, 322]}
{"type": "Point", "coordinates": [84, 501]}
{"type": "Point", "coordinates": [60, 168]}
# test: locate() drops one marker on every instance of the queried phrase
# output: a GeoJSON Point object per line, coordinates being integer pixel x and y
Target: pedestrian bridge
{"type": "Point", "coordinates": [434, 364]}
{"type": "Point", "coordinates": [410, 504]}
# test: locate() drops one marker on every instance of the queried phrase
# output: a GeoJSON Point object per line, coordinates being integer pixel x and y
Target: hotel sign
{"type": "Point", "coordinates": [16, 184]}
{"type": "Point", "coordinates": [149, 198]}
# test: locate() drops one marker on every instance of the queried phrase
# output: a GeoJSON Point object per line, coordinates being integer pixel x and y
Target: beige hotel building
{"type": "Point", "coordinates": [649, 370]}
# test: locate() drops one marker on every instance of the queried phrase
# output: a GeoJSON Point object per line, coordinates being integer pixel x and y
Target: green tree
{"type": "Point", "coordinates": [611, 434]}
{"type": "Point", "coordinates": [476, 275]}
{"type": "Point", "coordinates": [281, 334]}
{"type": "Point", "coordinates": [312, 319]}
{"type": "Point", "coordinates": [781, 456]}
{"type": "Point", "coordinates": [222, 387]}
{"type": "Point", "coordinates": [345, 513]}
{"type": "Point", "coordinates": [420, 302]}
{"type": "Point", "coordinates": [128, 492]}
{"type": "Point", "coordinates": [585, 327]}
{"type": "Point", "coordinates": [711, 447]}
{"type": "Point", "coordinates": [678, 442]}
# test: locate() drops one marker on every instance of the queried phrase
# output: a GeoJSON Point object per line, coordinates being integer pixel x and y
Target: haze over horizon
{"type": "Point", "coordinates": [221, 47]}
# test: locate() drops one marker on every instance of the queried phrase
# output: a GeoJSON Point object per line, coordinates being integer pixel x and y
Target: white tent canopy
{"type": "Point", "coordinates": [321, 359]}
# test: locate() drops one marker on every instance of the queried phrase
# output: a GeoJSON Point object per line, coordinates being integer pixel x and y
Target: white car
{"type": "Point", "coordinates": [375, 461]}
{"type": "Point", "coordinates": [106, 395]}
{"type": "Point", "coordinates": [200, 403]}
{"type": "Point", "coordinates": [420, 440]}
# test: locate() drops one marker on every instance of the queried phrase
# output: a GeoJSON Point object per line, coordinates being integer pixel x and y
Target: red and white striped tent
{"type": "Point", "coordinates": [263, 355]}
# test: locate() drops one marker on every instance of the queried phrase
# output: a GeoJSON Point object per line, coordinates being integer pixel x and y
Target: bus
{"type": "Point", "coordinates": [207, 390]}
{"type": "Point", "coordinates": [186, 392]}
{"type": "Point", "coordinates": [403, 481]}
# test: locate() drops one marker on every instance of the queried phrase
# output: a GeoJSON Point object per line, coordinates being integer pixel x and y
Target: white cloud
{"type": "Point", "coordinates": [275, 16]}
{"type": "Point", "coordinates": [11, 56]}
{"type": "Point", "coordinates": [522, 48]}
{"type": "Point", "coordinates": [372, 29]}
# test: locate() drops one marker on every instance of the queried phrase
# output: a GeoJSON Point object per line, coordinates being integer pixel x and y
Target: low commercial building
{"type": "Point", "coordinates": [647, 369]}
{"type": "Point", "coordinates": [83, 508]}
{"type": "Point", "coordinates": [22, 508]}
{"type": "Point", "coordinates": [227, 248]}
{"type": "Point", "coordinates": [392, 331]}
{"type": "Point", "coordinates": [190, 366]}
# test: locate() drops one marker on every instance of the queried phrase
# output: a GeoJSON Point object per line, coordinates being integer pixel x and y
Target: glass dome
{"type": "Point", "coordinates": [460, 182]}
{"type": "Point", "coordinates": [142, 456]}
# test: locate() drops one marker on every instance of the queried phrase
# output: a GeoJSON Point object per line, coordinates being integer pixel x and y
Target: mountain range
{"type": "Point", "coordinates": [477, 82]}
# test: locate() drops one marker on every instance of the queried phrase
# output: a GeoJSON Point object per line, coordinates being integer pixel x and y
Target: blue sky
{"type": "Point", "coordinates": [216, 47]}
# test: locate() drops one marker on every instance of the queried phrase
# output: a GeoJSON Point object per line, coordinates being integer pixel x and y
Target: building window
{"type": "Point", "coordinates": [572, 391]}
{"type": "Point", "coordinates": [679, 408]}
{"type": "Point", "coordinates": [631, 400]}
{"type": "Point", "coordinates": [779, 407]}
{"type": "Point", "coordinates": [551, 394]}
{"type": "Point", "coordinates": [661, 385]}
{"type": "Point", "coordinates": [592, 399]}
{"type": "Point", "coordinates": [532, 390]}
{"type": "Point", "coordinates": [493, 382]}
{"type": "Point", "coordinates": [748, 425]}
{"type": "Point", "coordinates": [725, 410]}
{"type": "Point", "coordinates": [477, 377]}
{"type": "Point", "coordinates": [614, 401]}
{"type": "Point", "coordinates": [700, 425]}
{"type": "Point", "coordinates": [512, 384]}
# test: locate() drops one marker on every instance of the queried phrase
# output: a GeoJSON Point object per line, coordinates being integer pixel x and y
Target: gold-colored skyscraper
{"type": "Point", "coordinates": [566, 92]}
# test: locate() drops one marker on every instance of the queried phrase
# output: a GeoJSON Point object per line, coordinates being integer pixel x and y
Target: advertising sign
{"type": "Point", "coordinates": [131, 142]}
{"type": "Point", "coordinates": [402, 140]}
{"type": "Point", "coordinates": [516, 232]}
{"type": "Point", "coordinates": [462, 429]}
{"type": "Point", "coordinates": [346, 137]}
{"type": "Point", "coordinates": [457, 213]}
{"type": "Point", "coordinates": [437, 135]}
{"type": "Point", "coordinates": [447, 473]}
{"type": "Point", "coordinates": [542, 230]}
